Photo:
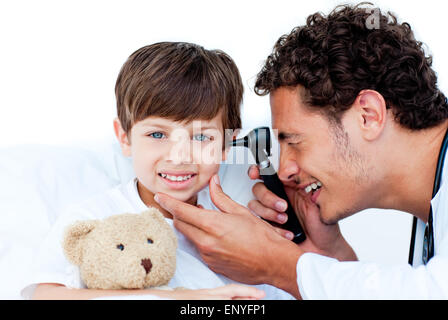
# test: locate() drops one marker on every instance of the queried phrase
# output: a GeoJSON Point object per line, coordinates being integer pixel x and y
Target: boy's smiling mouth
{"type": "Point", "coordinates": [176, 177]}
{"type": "Point", "coordinates": [178, 180]}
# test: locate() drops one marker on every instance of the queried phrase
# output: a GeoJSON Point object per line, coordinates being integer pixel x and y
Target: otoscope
{"type": "Point", "coordinates": [259, 143]}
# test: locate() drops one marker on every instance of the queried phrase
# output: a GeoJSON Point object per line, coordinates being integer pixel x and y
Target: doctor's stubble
{"type": "Point", "coordinates": [346, 158]}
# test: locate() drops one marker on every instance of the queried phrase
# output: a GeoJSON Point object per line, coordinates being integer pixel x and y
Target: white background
{"type": "Point", "coordinates": [59, 61]}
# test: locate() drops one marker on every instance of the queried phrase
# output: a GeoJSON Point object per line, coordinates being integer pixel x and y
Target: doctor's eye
{"type": "Point", "coordinates": [294, 145]}
{"type": "Point", "coordinates": [156, 135]}
{"type": "Point", "coordinates": [120, 247]}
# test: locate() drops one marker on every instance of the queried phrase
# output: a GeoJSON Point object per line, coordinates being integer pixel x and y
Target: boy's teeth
{"type": "Point", "coordinates": [175, 178]}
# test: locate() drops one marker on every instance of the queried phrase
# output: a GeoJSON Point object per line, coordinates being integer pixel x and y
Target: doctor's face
{"type": "Point", "coordinates": [313, 150]}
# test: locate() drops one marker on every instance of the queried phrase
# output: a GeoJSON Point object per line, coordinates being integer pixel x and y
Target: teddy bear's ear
{"type": "Point", "coordinates": [153, 213]}
{"type": "Point", "coordinates": [73, 236]}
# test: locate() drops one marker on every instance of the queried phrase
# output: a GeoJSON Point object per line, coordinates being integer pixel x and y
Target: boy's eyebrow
{"type": "Point", "coordinates": [209, 127]}
{"type": "Point", "coordinates": [157, 125]}
{"type": "Point", "coordinates": [282, 136]}
{"type": "Point", "coordinates": [162, 126]}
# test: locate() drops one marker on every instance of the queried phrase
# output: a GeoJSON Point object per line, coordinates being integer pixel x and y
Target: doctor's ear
{"type": "Point", "coordinates": [371, 113]}
{"type": "Point", "coordinates": [122, 137]}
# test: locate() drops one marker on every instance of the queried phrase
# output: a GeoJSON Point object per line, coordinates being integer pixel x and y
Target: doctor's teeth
{"type": "Point", "coordinates": [314, 186]}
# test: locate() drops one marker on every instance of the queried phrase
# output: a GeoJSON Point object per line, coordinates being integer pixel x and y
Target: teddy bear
{"type": "Point", "coordinates": [123, 251]}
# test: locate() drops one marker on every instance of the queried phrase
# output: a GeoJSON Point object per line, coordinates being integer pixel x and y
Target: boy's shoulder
{"type": "Point", "coordinates": [122, 198]}
{"type": "Point", "coordinates": [236, 183]}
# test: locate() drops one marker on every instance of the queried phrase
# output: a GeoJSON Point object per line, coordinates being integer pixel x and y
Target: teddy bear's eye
{"type": "Point", "coordinates": [120, 246]}
{"type": "Point", "coordinates": [150, 240]}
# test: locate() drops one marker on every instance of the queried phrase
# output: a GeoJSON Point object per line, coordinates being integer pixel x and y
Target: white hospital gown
{"type": "Point", "coordinates": [51, 266]}
{"type": "Point", "coordinates": [320, 277]}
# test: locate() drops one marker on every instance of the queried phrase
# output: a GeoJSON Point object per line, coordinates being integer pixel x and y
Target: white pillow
{"type": "Point", "coordinates": [37, 182]}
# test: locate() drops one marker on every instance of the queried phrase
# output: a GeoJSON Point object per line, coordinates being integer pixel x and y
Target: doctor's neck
{"type": "Point", "coordinates": [411, 165]}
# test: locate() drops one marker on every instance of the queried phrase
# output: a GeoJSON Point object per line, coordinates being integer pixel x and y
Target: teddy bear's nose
{"type": "Point", "coordinates": [147, 264]}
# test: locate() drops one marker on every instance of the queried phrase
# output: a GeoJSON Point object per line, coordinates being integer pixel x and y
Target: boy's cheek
{"type": "Point", "coordinates": [210, 154]}
{"type": "Point", "coordinates": [225, 153]}
{"type": "Point", "coordinates": [206, 173]}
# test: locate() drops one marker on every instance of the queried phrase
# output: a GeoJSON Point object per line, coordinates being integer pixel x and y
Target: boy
{"type": "Point", "coordinates": [174, 102]}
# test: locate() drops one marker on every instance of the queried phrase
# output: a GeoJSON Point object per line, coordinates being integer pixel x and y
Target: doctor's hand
{"type": "Point", "coordinates": [321, 238]}
{"type": "Point", "coordinates": [234, 242]}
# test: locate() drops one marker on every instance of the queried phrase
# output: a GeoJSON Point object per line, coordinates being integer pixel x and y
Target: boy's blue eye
{"type": "Point", "coordinates": [120, 247]}
{"type": "Point", "coordinates": [149, 240]}
{"type": "Point", "coordinates": [201, 137]}
{"type": "Point", "coordinates": [157, 135]}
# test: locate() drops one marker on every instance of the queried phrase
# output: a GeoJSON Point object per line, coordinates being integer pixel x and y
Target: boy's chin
{"type": "Point", "coordinates": [181, 196]}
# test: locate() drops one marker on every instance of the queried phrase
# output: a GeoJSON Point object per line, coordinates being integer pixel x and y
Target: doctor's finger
{"type": "Point", "coordinates": [191, 232]}
{"type": "Point", "coordinates": [284, 233]}
{"type": "Point", "coordinates": [221, 200]}
{"type": "Point", "coordinates": [184, 211]}
{"type": "Point", "coordinates": [253, 172]}
{"type": "Point", "coordinates": [206, 243]}
{"type": "Point", "coordinates": [268, 199]}
{"type": "Point", "coordinates": [266, 213]}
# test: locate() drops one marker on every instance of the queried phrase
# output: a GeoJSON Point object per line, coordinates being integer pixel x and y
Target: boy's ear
{"type": "Point", "coordinates": [122, 138]}
{"type": "Point", "coordinates": [227, 146]}
{"type": "Point", "coordinates": [73, 239]}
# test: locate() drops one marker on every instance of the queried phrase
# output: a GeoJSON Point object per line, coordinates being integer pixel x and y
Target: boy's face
{"type": "Point", "coordinates": [176, 158]}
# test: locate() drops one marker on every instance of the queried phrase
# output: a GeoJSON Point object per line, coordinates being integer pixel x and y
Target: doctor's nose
{"type": "Point", "coordinates": [288, 170]}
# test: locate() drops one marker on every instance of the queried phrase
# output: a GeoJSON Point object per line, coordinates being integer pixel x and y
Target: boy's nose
{"type": "Point", "coordinates": [180, 156]}
{"type": "Point", "coordinates": [180, 152]}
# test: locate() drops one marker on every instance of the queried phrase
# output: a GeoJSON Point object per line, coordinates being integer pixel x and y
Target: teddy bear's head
{"type": "Point", "coordinates": [123, 251]}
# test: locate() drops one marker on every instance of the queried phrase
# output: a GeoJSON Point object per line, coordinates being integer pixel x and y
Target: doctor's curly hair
{"type": "Point", "coordinates": [334, 57]}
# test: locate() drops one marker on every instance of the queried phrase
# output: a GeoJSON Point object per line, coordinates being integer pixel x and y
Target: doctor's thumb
{"type": "Point", "coordinates": [220, 199]}
{"type": "Point", "coordinates": [215, 187]}
{"type": "Point", "coordinates": [217, 195]}
{"type": "Point", "coordinates": [216, 180]}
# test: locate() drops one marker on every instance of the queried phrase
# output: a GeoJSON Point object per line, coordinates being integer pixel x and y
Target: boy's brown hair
{"type": "Point", "coordinates": [181, 82]}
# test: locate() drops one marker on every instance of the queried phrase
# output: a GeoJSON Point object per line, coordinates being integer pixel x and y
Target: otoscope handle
{"type": "Point", "coordinates": [274, 184]}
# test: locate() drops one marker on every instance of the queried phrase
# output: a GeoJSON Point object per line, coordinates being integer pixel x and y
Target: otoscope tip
{"type": "Point", "coordinates": [242, 142]}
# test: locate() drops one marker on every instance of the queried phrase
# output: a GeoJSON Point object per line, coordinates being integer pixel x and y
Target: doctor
{"type": "Point", "coordinates": [358, 110]}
